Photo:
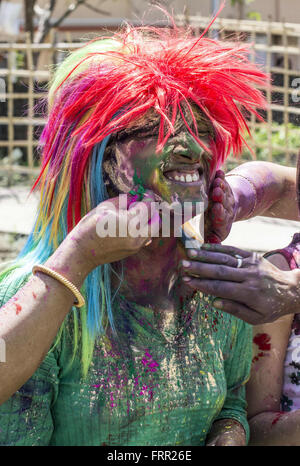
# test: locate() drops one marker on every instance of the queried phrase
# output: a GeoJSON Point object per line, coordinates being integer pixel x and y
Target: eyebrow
{"type": "Point", "coordinates": [149, 126]}
{"type": "Point", "coordinates": [149, 129]}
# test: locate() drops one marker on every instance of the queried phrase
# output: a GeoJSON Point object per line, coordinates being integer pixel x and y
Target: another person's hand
{"type": "Point", "coordinates": [104, 235]}
{"type": "Point", "coordinates": [250, 287]}
{"type": "Point", "coordinates": [221, 210]}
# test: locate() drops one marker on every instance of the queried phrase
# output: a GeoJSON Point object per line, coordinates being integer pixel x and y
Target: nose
{"type": "Point", "coordinates": [186, 150]}
{"type": "Point", "coordinates": [186, 155]}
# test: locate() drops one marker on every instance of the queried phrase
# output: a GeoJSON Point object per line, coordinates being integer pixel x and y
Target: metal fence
{"type": "Point", "coordinates": [22, 84]}
{"type": "Point", "coordinates": [275, 46]}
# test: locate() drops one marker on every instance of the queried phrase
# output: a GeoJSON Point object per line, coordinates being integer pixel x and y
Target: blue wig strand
{"type": "Point", "coordinates": [98, 297]}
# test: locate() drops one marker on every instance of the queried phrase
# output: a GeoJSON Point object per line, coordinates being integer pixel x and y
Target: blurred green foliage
{"type": "Point", "coordinates": [281, 136]}
{"type": "Point", "coordinates": [255, 15]}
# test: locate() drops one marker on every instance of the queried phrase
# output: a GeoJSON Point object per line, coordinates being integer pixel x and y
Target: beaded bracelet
{"type": "Point", "coordinates": [41, 268]}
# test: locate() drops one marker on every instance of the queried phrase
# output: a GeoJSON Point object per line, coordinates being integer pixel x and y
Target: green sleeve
{"type": "Point", "coordinates": [237, 371]}
{"type": "Point", "coordinates": [25, 418]}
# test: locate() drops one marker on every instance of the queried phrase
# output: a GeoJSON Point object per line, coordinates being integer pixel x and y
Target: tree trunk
{"type": "Point", "coordinates": [29, 16]}
{"type": "Point", "coordinates": [241, 10]}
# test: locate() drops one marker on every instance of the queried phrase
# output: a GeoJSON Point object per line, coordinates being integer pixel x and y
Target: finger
{"type": "Point", "coordinates": [218, 288]}
{"type": "Point", "coordinates": [217, 195]}
{"type": "Point", "coordinates": [239, 310]}
{"type": "Point", "coordinates": [143, 220]}
{"type": "Point", "coordinates": [147, 204]}
{"type": "Point", "coordinates": [148, 197]}
{"type": "Point", "coordinates": [217, 214]}
{"type": "Point", "coordinates": [153, 226]}
{"type": "Point", "coordinates": [213, 238]}
{"type": "Point", "coordinates": [220, 174]}
{"type": "Point", "coordinates": [212, 257]}
{"type": "Point", "coordinates": [215, 272]}
{"type": "Point", "coordinates": [152, 196]}
{"type": "Point", "coordinates": [218, 182]}
{"type": "Point", "coordinates": [218, 248]}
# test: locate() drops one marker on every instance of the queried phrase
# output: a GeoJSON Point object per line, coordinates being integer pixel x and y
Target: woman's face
{"type": "Point", "coordinates": [180, 173]}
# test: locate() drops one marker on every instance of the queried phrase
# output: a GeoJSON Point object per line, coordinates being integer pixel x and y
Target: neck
{"type": "Point", "coordinates": [150, 275]}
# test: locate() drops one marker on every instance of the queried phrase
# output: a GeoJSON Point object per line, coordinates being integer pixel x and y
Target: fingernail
{"type": "Point", "coordinates": [148, 198]}
{"type": "Point", "coordinates": [217, 303]}
{"type": "Point", "coordinates": [192, 252]}
{"type": "Point", "coordinates": [186, 264]}
{"type": "Point", "coordinates": [186, 279]}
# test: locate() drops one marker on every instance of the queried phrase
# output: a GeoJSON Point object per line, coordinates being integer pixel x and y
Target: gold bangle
{"type": "Point", "coordinates": [253, 188]}
{"type": "Point", "coordinates": [41, 268]}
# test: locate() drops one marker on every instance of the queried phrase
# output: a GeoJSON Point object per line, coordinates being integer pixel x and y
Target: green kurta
{"type": "Point", "coordinates": [156, 383]}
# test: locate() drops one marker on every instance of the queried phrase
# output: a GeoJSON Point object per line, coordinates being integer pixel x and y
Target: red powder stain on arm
{"type": "Point", "coordinates": [277, 417]}
{"type": "Point", "coordinates": [18, 308]}
{"type": "Point", "coordinates": [262, 340]}
{"type": "Point", "coordinates": [34, 295]}
{"type": "Point", "coordinates": [259, 355]}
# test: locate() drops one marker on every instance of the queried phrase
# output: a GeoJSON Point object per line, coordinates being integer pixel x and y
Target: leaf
{"type": "Point", "coordinates": [255, 15]}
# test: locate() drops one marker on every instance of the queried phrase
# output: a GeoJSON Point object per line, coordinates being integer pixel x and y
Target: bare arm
{"type": "Point", "coordinates": [276, 429]}
{"type": "Point", "coordinates": [269, 426]}
{"type": "Point", "coordinates": [253, 188]}
{"type": "Point", "coordinates": [29, 321]}
{"type": "Point", "coordinates": [275, 187]}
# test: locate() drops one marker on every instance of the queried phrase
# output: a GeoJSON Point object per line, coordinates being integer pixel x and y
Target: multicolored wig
{"type": "Point", "coordinates": [99, 90]}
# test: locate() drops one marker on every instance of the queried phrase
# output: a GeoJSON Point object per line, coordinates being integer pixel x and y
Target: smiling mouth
{"type": "Point", "coordinates": [186, 177]}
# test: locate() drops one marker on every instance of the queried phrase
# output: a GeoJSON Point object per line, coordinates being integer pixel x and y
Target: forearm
{"type": "Point", "coordinates": [263, 188]}
{"type": "Point", "coordinates": [275, 429]}
{"type": "Point", "coordinates": [226, 432]}
{"type": "Point", "coordinates": [31, 319]}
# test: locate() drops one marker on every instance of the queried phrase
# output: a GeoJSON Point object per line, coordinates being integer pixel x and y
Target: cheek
{"type": "Point", "coordinates": [150, 174]}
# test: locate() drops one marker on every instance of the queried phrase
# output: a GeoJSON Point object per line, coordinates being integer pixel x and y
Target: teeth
{"type": "Point", "coordinates": [187, 178]}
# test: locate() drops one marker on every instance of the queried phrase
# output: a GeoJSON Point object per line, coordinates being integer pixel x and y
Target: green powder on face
{"type": "Point", "coordinates": [139, 188]}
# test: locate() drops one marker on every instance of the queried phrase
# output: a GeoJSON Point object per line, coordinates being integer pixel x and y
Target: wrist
{"type": "Point", "coordinates": [244, 194]}
{"type": "Point", "coordinates": [294, 291]}
{"type": "Point", "coordinates": [69, 261]}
